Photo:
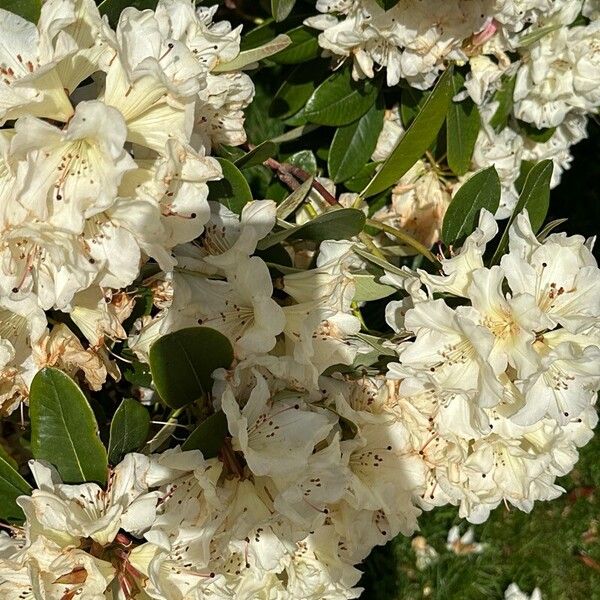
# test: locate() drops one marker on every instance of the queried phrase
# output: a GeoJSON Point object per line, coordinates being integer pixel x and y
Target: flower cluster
{"type": "Point", "coordinates": [329, 429]}
{"type": "Point", "coordinates": [491, 395]}
{"type": "Point", "coordinates": [103, 165]}
{"type": "Point", "coordinates": [533, 70]}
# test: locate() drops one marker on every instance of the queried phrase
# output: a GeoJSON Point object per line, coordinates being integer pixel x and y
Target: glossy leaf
{"type": "Point", "coordinates": [482, 190]}
{"type": "Point", "coordinates": [417, 139]}
{"type": "Point", "coordinates": [280, 9]}
{"type": "Point", "coordinates": [362, 178]}
{"type": "Point", "coordinates": [182, 363]}
{"type": "Point", "coordinates": [535, 197]}
{"type": "Point", "coordinates": [63, 428]}
{"type": "Point", "coordinates": [257, 155]}
{"type": "Point", "coordinates": [233, 190]}
{"type": "Point", "coordinates": [128, 429]}
{"type": "Point", "coordinates": [304, 47]}
{"type": "Point", "coordinates": [340, 100]}
{"type": "Point", "coordinates": [114, 8]}
{"type": "Point", "coordinates": [336, 224]}
{"type": "Point", "coordinates": [305, 160]}
{"type": "Point", "coordinates": [353, 145]}
{"type": "Point", "coordinates": [297, 89]}
{"type": "Point", "coordinates": [208, 437]}
{"type": "Point", "coordinates": [411, 102]}
{"type": "Point", "coordinates": [462, 128]}
{"type": "Point", "coordinates": [12, 485]}
{"type": "Point", "coordinates": [28, 9]}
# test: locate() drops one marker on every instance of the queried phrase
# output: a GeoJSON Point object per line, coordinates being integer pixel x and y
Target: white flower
{"type": "Point", "coordinates": [277, 435]}
{"type": "Point", "coordinates": [463, 544]}
{"type": "Point", "coordinates": [561, 273]}
{"type": "Point", "coordinates": [30, 84]}
{"type": "Point", "coordinates": [68, 513]}
{"type": "Point", "coordinates": [560, 76]}
{"type": "Point", "coordinates": [513, 592]}
{"type": "Point", "coordinates": [70, 175]}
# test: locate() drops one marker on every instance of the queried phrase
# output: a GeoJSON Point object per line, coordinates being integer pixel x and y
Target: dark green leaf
{"type": "Point", "coordinates": [411, 102]}
{"type": "Point", "coordinates": [304, 47]}
{"type": "Point", "coordinates": [138, 373]}
{"type": "Point", "coordinates": [353, 145]}
{"type": "Point", "coordinates": [362, 178]}
{"type": "Point", "coordinates": [535, 197]}
{"type": "Point", "coordinates": [504, 97]}
{"type": "Point", "coordinates": [128, 430]}
{"type": "Point", "coordinates": [64, 430]}
{"type": "Point", "coordinates": [418, 137]}
{"type": "Point", "coordinates": [182, 363]}
{"type": "Point", "coordinates": [259, 125]}
{"type": "Point", "coordinates": [233, 190]}
{"type": "Point", "coordinates": [114, 8]}
{"type": "Point", "coordinates": [12, 485]}
{"type": "Point", "coordinates": [297, 89]}
{"type": "Point", "coordinates": [28, 9]}
{"type": "Point", "coordinates": [280, 9]}
{"type": "Point", "coordinates": [339, 100]}
{"type": "Point", "coordinates": [537, 135]}
{"type": "Point", "coordinates": [208, 436]}
{"type": "Point", "coordinates": [480, 191]}
{"type": "Point", "coordinates": [337, 224]}
{"type": "Point", "coordinates": [462, 129]}
{"type": "Point", "coordinates": [257, 155]}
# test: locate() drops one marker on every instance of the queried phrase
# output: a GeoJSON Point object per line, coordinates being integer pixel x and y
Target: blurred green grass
{"type": "Point", "coordinates": [547, 548]}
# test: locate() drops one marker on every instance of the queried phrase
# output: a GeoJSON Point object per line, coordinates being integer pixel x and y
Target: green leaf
{"type": "Point", "coordinates": [208, 437]}
{"type": "Point", "coordinates": [297, 89]}
{"type": "Point", "coordinates": [418, 137]}
{"type": "Point", "coordinates": [294, 200]}
{"type": "Point", "coordinates": [304, 159]}
{"type": "Point", "coordinates": [257, 155]}
{"type": "Point", "coordinates": [336, 224]}
{"type": "Point", "coordinates": [462, 128]}
{"type": "Point", "coordinates": [339, 100]}
{"type": "Point", "coordinates": [28, 9]}
{"type": "Point", "coordinates": [304, 47]}
{"type": "Point", "coordinates": [64, 430]}
{"type": "Point", "coordinates": [247, 58]}
{"type": "Point", "coordinates": [411, 102]}
{"type": "Point", "coordinates": [353, 145]}
{"type": "Point", "coordinates": [539, 136]}
{"type": "Point", "coordinates": [504, 97]}
{"type": "Point", "coordinates": [362, 178]}
{"type": "Point", "coordinates": [280, 9]}
{"type": "Point", "coordinates": [12, 485]}
{"type": "Point", "coordinates": [368, 288]}
{"type": "Point", "coordinates": [535, 197]}
{"type": "Point", "coordinates": [128, 429]}
{"type": "Point", "coordinates": [233, 190]}
{"type": "Point", "coordinates": [182, 363]}
{"type": "Point", "coordinates": [480, 191]}
{"type": "Point", "coordinates": [114, 8]}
